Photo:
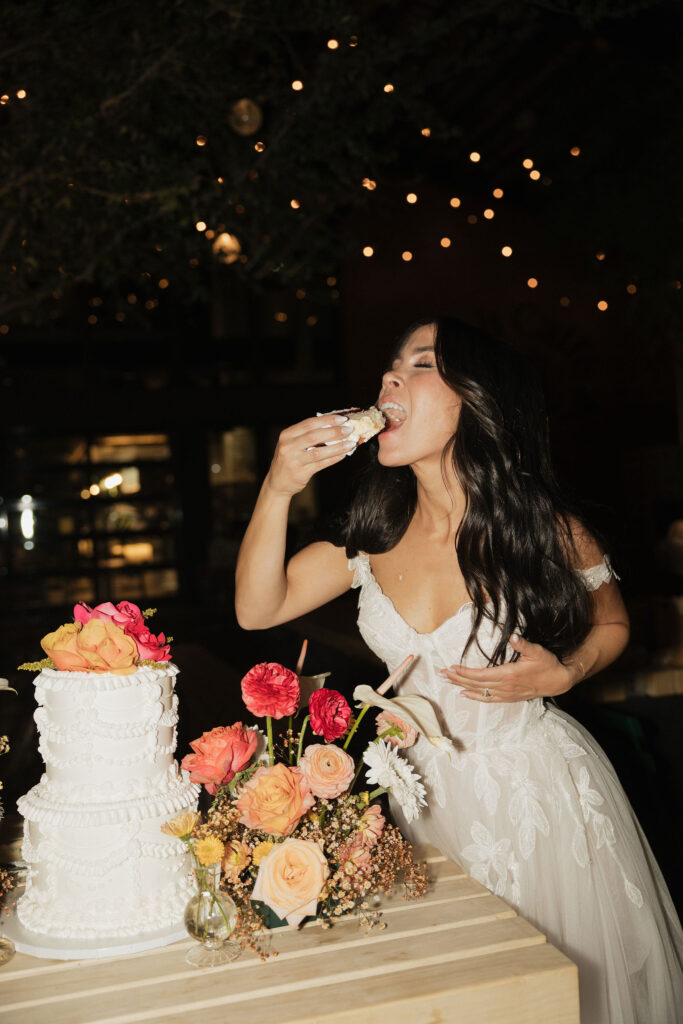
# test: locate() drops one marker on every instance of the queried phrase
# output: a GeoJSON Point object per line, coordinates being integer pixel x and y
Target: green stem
{"type": "Point", "coordinates": [377, 792]}
{"type": "Point", "coordinates": [355, 778]}
{"type": "Point", "coordinates": [289, 741]}
{"type": "Point", "coordinates": [301, 738]}
{"type": "Point", "coordinates": [355, 725]}
{"type": "Point", "coordinates": [269, 727]}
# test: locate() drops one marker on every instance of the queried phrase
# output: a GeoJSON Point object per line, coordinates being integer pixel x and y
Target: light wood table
{"type": "Point", "coordinates": [457, 955]}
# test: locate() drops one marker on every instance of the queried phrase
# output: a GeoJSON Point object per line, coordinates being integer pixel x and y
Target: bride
{"type": "Point", "coordinates": [467, 554]}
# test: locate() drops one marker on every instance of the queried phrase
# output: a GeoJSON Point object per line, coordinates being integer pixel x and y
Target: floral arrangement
{"type": "Point", "coordinates": [295, 831]}
{"type": "Point", "coordinates": [5, 877]}
{"type": "Point", "coordinates": [109, 638]}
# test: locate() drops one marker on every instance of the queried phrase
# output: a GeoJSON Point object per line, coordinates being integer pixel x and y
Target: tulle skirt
{"type": "Point", "coordinates": [544, 822]}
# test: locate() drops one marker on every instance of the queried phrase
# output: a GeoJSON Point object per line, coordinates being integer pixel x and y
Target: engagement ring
{"type": "Point", "coordinates": [487, 693]}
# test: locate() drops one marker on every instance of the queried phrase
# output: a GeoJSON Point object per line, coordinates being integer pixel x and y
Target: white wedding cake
{"type": "Point", "coordinates": [98, 864]}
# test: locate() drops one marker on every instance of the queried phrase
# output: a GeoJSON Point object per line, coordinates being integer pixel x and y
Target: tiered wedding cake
{"type": "Point", "coordinates": [98, 864]}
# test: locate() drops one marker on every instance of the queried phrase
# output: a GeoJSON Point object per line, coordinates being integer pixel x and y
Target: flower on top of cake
{"type": "Point", "coordinates": [108, 638]}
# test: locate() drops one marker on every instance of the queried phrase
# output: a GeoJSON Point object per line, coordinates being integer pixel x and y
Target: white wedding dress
{"type": "Point", "coordinates": [531, 807]}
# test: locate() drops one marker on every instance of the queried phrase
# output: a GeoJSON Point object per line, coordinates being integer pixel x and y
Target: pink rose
{"type": "Point", "coordinates": [274, 800]}
{"type": "Point", "coordinates": [386, 719]}
{"type": "Point", "coordinates": [151, 647]}
{"type": "Point", "coordinates": [330, 714]}
{"type": "Point", "coordinates": [328, 769]}
{"type": "Point", "coordinates": [371, 825]}
{"type": "Point", "coordinates": [219, 755]}
{"type": "Point", "coordinates": [272, 690]}
{"type": "Point", "coordinates": [125, 614]}
{"type": "Point", "coordinates": [290, 879]}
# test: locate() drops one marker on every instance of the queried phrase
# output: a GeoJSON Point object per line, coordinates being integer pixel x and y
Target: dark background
{"type": "Point", "coordinates": [144, 379]}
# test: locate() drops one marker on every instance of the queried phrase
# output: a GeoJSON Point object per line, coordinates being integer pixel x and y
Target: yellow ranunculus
{"type": "Point", "coordinates": [260, 851]}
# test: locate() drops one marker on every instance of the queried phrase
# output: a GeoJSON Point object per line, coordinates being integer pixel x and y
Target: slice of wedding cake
{"type": "Point", "coordinates": [98, 864]}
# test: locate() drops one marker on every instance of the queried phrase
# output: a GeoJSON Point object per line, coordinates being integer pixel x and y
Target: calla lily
{"type": "Point", "coordinates": [415, 710]}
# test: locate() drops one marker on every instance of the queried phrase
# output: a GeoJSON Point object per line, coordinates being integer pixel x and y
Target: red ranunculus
{"type": "Point", "coordinates": [151, 647]}
{"type": "Point", "coordinates": [219, 755]}
{"type": "Point", "coordinates": [124, 614]}
{"type": "Point", "coordinates": [269, 689]}
{"type": "Point", "coordinates": [330, 713]}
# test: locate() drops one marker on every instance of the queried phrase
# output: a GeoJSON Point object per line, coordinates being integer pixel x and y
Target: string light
{"type": "Point", "coordinates": [132, 299]}
{"type": "Point", "coordinates": [219, 180]}
{"type": "Point", "coordinates": [369, 184]}
{"type": "Point", "coordinates": [602, 305]}
{"type": "Point", "coordinates": [426, 132]}
{"type": "Point", "coordinates": [295, 204]}
{"type": "Point", "coordinates": [498, 193]}
{"type": "Point", "coordinates": [311, 321]}
{"type": "Point", "coordinates": [92, 319]}
{"type": "Point", "coordinates": [475, 157]}
{"type": "Point", "coordinates": [4, 329]}
{"type": "Point", "coordinates": [353, 41]}
{"type": "Point", "coordinates": [564, 301]}
{"type": "Point", "coordinates": [332, 44]}
{"type": "Point", "coordinates": [407, 256]}
{"type": "Point", "coordinates": [331, 281]}
{"type": "Point", "coordinates": [163, 283]}
{"type": "Point", "coordinates": [259, 146]}
{"type": "Point", "coordinates": [472, 218]}
{"type": "Point", "coordinates": [200, 225]}
{"type": "Point", "coordinates": [535, 175]}
{"type": "Point", "coordinates": [4, 99]}
{"type": "Point", "coordinates": [94, 488]}
{"type": "Point", "coordinates": [201, 140]}
{"type": "Point", "coordinates": [455, 201]}
{"type": "Point", "coordinates": [210, 234]}
{"type": "Point", "coordinates": [297, 85]}
{"type": "Point", "coordinates": [301, 293]}
{"type": "Point", "coordinates": [575, 151]}
{"type": "Point", "coordinates": [506, 250]}
{"type": "Point", "coordinates": [281, 318]}
{"type": "Point", "coordinates": [489, 214]}
{"type": "Point", "coordinates": [411, 198]}
{"type": "Point", "coordinates": [631, 289]}
{"type": "Point", "coordinates": [527, 163]}
{"type": "Point", "coordinates": [532, 282]}
{"type": "Point", "coordinates": [600, 256]}
{"type": "Point", "coordinates": [388, 87]}
{"type": "Point", "coordinates": [120, 317]}
{"type": "Point", "coordinates": [21, 94]}
{"type": "Point", "coordinates": [368, 251]}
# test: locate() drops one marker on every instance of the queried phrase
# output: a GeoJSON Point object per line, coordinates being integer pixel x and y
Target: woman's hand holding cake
{"type": "Point", "coordinates": [307, 447]}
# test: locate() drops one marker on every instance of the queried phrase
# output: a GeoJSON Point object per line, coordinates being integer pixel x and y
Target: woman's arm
{"type": "Point", "coordinates": [267, 593]}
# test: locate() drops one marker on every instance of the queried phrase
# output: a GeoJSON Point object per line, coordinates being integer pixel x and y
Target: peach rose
{"type": "Point", "coordinates": [385, 720]}
{"type": "Point", "coordinates": [328, 769]}
{"type": "Point", "coordinates": [95, 646]}
{"type": "Point", "coordinates": [291, 878]}
{"type": "Point", "coordinates": [274, 800]}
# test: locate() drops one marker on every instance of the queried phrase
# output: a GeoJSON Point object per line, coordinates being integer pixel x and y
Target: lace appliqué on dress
{"type": "Point", "coordinates": [598, 574]}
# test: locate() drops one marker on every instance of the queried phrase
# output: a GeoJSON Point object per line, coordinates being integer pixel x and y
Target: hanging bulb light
{"type": "Point", "coordinates": [245, 117]}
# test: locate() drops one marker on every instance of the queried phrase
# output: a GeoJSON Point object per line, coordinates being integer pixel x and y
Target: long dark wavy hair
{"type": "Point", "coordinates": [514, 540]}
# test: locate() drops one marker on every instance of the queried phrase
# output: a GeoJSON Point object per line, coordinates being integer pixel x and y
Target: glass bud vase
{"type": "Point", "coordinates": [210, 918]}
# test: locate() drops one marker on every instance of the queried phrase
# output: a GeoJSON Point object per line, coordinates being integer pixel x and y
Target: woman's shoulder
{"type": "Point", "coordinates": [583, 549]}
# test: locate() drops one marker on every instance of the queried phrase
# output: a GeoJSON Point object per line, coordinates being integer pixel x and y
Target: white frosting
{"type": "Point", "coordinates": [98, 863]}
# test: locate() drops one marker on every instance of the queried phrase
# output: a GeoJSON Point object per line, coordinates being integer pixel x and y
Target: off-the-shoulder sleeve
{"type": "Point", "coordinates": [598, 574]}
{"type": "Point", "coordinates": [361, 569]}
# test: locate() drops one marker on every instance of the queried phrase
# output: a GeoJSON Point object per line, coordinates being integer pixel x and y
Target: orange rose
{"type": "Point", "coordinates": [328, 769]}
{"type": "Point", "coordinates": [94, 647]}
{"type": "Point", "coordinates": [290, 879]}
{"type": "Point", "coordinates": [274, 800]}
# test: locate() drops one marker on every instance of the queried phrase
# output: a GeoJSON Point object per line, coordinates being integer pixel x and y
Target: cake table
{"type": "Point", "coordinates": [458, 954]}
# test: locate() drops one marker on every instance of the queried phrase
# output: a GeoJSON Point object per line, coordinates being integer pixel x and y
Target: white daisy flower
{"type": "Point", "coordinates": [392, 772]}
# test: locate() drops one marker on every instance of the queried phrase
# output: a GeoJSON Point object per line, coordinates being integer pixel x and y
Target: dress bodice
{"type": "Point", "coordinates": [391, 638]}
